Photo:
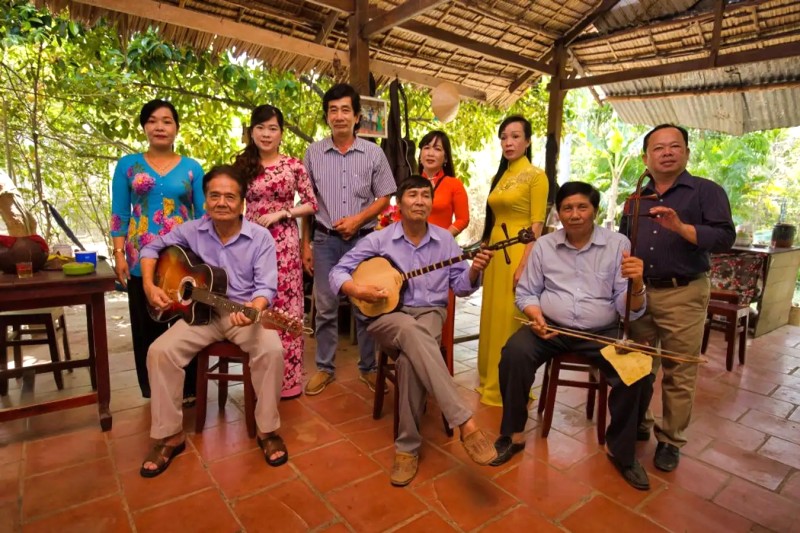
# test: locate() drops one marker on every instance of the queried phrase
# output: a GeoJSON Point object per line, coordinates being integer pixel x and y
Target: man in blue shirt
{"type": "Point", "coordinates": [246, 252]}
{"type": "Point", "coordinates": [412, 334]}
{"type": "Point", "coordinates": [576, 278]}
{"type": "Point", "coordinates": [692, 219]}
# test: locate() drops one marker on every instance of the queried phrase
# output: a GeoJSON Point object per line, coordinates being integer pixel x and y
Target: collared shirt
{"type": "Point", "coordinates": [248, 258]}
{"type": "Point", "coordinates": [697, 201]}
{"type": "Point", "coordinates": [580, 289]}
{"type": "Point", "coordinates": [426, 290]}
{"type": "Point", "coordinates": [346, 184]}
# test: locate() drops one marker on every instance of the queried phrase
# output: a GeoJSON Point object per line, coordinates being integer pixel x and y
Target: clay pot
{"type": "Point", "coordinates": [23, 249]}
{"type": "Point", "coordinates": [783, 235]}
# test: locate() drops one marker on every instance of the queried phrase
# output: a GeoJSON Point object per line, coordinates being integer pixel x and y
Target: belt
{"type": "Point", "coordinates": [670, 283]}
{"type": "Point", "coordinates": [333, 233]}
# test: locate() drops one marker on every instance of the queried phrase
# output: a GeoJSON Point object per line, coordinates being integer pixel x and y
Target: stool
{"type": "Point", "coordinates": [225, 351]}
{"type": "Point", "coordinates": [596, 386]}
{"type": "Point", "coordinates": [45, 321]}
{"type": "Point", "coordinates": [388, 370]}
{"type": "Point", "coordinates": [732, 318]}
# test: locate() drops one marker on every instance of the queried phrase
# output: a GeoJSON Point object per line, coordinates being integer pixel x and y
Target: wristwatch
{"type": "Point", "coordinates": [119, 251]}
{"type": "Point", "coordinates": [641, 291]}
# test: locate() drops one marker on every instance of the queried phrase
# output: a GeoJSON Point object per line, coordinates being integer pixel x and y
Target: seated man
{"type": "Point", "coordinates": [575, 278]}
{"type": "Point", "coordinates": [246, 252]}
{"type": "Point", "coordinates": [413, 332]}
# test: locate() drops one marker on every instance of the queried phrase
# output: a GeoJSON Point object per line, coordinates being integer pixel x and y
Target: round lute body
{"type": "Point", "coordinates": [380, 272]}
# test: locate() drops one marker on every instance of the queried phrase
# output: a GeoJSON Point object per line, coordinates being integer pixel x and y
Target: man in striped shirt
{"type": "Point", "coordinates": [353, 182]}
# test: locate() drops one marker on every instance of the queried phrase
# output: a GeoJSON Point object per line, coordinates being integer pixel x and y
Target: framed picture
{"type": "Point", "coordinates": [374, 115]}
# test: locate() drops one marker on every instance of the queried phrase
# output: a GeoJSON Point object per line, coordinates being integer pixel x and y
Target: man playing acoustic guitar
{"type": "Point", "coordinates": [413, 331]}
{"type": "Point", "coordinates": [246, 252]}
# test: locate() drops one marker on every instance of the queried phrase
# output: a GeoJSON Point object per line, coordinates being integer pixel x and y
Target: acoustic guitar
{"type": "Point", "coordinates": [381, 272]}
{"type": "Point", "coordinates": [195, 288]}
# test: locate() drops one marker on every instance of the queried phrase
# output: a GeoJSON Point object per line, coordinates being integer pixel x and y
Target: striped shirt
{"type": "Point", "coordinates": [346, 184]}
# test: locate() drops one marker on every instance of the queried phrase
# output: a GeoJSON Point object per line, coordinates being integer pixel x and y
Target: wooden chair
{"type": "Point", "coordinates": [388, 371]}
{"type": "Point", "coordinates": [596, 386]}
{"type": "Point", "coordinates": [726, 314]}
{"type": "Point", "coordinates": [225, 351]}
{"type": "Point", "coordinates": [47, 322]}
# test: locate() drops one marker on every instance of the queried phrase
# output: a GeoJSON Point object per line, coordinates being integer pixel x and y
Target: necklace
{"type": "Point", "coordinates": [165, 166]}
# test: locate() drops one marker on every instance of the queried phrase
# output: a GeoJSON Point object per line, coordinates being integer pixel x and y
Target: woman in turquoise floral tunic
{"type": "Point", "coordinates": [152, 192]}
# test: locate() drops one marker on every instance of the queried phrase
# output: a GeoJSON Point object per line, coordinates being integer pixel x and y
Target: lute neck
{"type": "Point", "coordinates": [440, 264]}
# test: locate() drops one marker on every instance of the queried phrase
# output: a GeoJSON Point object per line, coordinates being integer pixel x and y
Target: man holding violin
{"type": "Point", "coordinates": [412, 332]}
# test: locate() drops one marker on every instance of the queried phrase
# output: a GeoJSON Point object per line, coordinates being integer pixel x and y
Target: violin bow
{"type": "Point", "coordinates": [634, 234]}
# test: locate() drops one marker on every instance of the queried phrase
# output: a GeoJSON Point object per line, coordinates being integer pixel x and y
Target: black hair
{"type": "Point", "coordinates": [225, 170]}
{"type": "Point", "coordinates": [248, 161]}
{"type": "Point", "coordinates": [415, 181]}
{"type": "Point", "coordinates": [526, 128]}
{"type": "Point", "coordinates": [571, 188]}
{"type": "Point", "coordinates": [154, 105]}
{"type": "Point", "coordinates": [339, 91]}
{"type": "Point", "coordinates": [683, 131]}
{"type": "Point", "coordinates": [449, 166]}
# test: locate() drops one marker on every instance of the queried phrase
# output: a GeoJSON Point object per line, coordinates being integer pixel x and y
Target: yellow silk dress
{"type": "Point", "coordinates": [519, 199]}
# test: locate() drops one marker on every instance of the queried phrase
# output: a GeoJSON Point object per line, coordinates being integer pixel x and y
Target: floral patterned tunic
{"type": "Point", "coordinates": [274, 190]}
{"type": "Point", "coordinates": [145, 204]}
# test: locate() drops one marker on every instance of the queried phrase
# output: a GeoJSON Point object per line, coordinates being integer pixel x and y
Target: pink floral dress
{"type": "Point", "coordinates": [274, 190]}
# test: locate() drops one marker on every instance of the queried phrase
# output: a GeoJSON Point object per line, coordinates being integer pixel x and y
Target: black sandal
{"type": "Point", "coordinates": [506, 449]}
{"type": "Point", "coordinates": [271, 444]}
{"type": "Point", "coordinates": [161, 455]}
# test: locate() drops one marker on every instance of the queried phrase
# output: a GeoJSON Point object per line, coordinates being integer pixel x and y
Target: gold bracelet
{"type": "Point", "coordinates": [119, 251]}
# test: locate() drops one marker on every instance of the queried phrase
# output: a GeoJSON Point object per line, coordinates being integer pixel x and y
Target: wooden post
{"type": "Point", "coordinates": [359, 48]}
{"type": "Point", "coordinates": [555, 118]}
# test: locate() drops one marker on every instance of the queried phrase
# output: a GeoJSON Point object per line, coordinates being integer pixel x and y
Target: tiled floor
{"type": "Point", "coordinates": [739, 472]}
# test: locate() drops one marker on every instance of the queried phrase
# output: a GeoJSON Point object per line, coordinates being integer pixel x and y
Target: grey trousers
{"type": "Point", "coordinates": [173, 350]}
{"type": "Point", "coordinates": [411, 336]}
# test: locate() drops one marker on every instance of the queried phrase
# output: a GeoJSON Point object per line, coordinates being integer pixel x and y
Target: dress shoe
{"type": "Point", "coordinates": [634, 474]}
{"type": "Point", "coordinates": [506, 449]}
{"type": "Point", "coordinates": [667, 457]}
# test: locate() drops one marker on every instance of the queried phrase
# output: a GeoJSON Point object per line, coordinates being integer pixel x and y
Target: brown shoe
{"type": "Point", "coordinates": [318, 382]}
{"type": "Point", "coordinates": [404, 469]}
{"type": "Point", "coordinates": [369, 378]}
{"type": "Point", "coordinates": [479, 448]}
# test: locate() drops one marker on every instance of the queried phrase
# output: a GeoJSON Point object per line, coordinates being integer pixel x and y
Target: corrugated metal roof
{"type": "Point", "coordinates": [633, 12]}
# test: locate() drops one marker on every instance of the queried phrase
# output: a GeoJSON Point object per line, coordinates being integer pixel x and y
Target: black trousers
{"type": "Point", "coordinates": [524, 352]}
{"type": "Point", "coordinates": [145, 330]}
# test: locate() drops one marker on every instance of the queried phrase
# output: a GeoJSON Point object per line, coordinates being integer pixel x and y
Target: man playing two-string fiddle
{"type": "Point", "coordinates": [576, 278]}
{"type": "Point", "coordinates": [693, 218]}
{"type": "Point", "coordinates": [412, 333]}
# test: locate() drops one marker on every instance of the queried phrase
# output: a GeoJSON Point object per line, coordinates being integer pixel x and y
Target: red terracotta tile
{"type": "Point", "coordinates": [759, 505]}
{"type": "Point", "coordinates": [336, 528]}
{"type": "Point", "coordinates": [185, 474]}
{"type": "Point", "coordinates": [795, 416]}
{"type": "Point", "coordinates": [385, 506]}
{"type": "Point", "coordinates": [782, 451]}
{"type": "Point", "coordinates": [100, 516]}
{"type": "Point", "coordinates": [697, 443]}
{"type": "Point", "coordinates": [10, 475]}
{"type": "Point", "coordinates": [342, 408]}
{"type": "Point", "coordinates": [222, 441]}
{"type": "Point", "coordinates": [370, 437]}
{"type": "Point", "coordinates": [680, 510]}
{"type": "Point", "coordinates": [749, 382]}
{"type": "Point", "coordinates": [306, 434]}
{"type": "Point", "coordinates": [331, 391]}
{"type": "Point", "coordinates": [246, 473]}
{"type": "Point", "coordinates": [692, 475]}
{"type": "Point", "coordinates": [289, 507]}
{"type": "Point", "coordinates": [765, 404]}
{"type": "Point", "coordinates": [723, 429]}
{"type": "Point", "coordinates": [791, 488]}
{"type": "Point", "coordinates": [785, 364]}
{"type": "Point", "coordinates": [202, 512]}
{"type": "Point", "coordinates": [357, 387]}
{"type": "Point", "coordinates": [467, 499]}
{"type": "Point", "coordinates": [570, 421]}
{"type": "Point", "coordinates": [128, 452]}
{"type": "Point", "coordinates": [432, 462]}
{"type": "Point", "coordinates": [334, 465]}
{"type": "Point", "coordinates": [597, 471]}
{"type": "Point", "coordinates": [10, 453]}
{"type": "Point", "coordinates": [558, 450]}
{"type": "Point", "coordinates": [9, 515]}
{"type": "Point", "coordinates": [429, 522]}
{"type": "Point", "coordinates": [53, 491]}
{"type": "Point", "coordinates": [130, 422]}
{"type": "Point", "coordinates": [787, 394]}
{"type": "Point", "coordinates": [746, 464]}
{"type": "Point", "coordinates": [521, 519]}
{"type": "Point", "coordinates": [73, 448]}
{"type": "Point", "coordinates": [779, 427]}
{"type": "Point", "coordinates": [602, 514]}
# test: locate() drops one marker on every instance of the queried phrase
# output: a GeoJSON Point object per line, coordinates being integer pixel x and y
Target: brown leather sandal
{"type": "Point", "coordinates": [271, 444]}
{"type": "Point", "coordinates": [161, 455]}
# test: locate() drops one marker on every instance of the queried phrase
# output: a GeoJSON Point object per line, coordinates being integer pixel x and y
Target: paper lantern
{"type": "Point", "coordinates": [444, 101]}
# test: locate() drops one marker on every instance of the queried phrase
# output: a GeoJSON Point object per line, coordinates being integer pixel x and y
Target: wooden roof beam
{"type": "Point", "coordinates": [402, 13]}
{"type": "Point", "coordinates": [778, 51]}
{"type": "Point", "coordinates": [716, 36]}
{"type": "Point", "coordinates": [327, 27]}
{"type": "Point", "coordinates": [342, 6]}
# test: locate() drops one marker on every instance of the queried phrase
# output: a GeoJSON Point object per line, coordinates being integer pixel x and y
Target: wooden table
{"type": "Point", "coordinates": [780, 277]}
{"type": "Point", "coordinates": [52, 289]}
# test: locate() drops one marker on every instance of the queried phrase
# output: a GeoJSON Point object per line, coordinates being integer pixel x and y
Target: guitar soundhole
{"type": "Point", "coordinates": [186, 291]}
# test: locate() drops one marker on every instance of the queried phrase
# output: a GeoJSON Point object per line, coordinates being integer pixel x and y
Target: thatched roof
{"type": "Point", "coordinates": [494, 50]}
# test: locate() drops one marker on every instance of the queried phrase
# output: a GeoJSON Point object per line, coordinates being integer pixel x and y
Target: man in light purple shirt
{"type": "Point", "coordinates": [412, 333]}
{"type": "Point", "coordinates": [352, 182]}
{"type": "Point", "coordinates": [246, 252]}
{"type": "Point", "coordinates": [576, 278]}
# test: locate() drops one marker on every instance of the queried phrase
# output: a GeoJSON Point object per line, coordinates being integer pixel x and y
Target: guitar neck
{"type": "Point", "coordinates": [219, 302]}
